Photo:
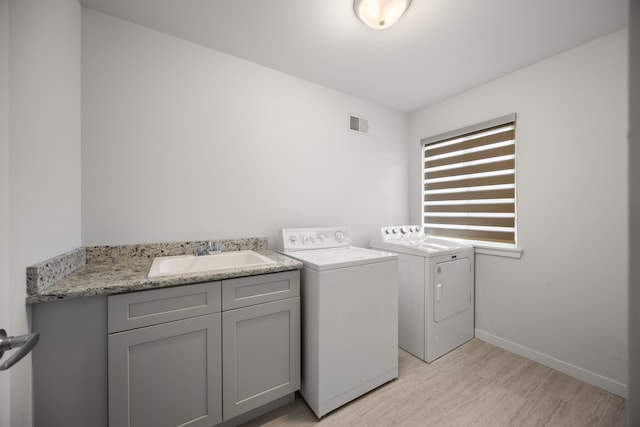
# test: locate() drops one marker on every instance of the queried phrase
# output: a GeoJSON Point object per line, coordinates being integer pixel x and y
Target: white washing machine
{"type": "Point", "coordinates": [349, 299]}
{"type": "Point", "coordinates": [436, 290]}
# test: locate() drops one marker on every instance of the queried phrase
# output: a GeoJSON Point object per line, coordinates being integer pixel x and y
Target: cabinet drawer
{"type": "Point", "coordinates": [145, 308]}
{"type": "Point", "coordinates": [246, 291]}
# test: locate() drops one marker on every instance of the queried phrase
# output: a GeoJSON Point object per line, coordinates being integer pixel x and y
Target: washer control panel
{"type": "Point", "coordinates": [304, 239]}
{"type": "Point", "coordinates": [398, 232]}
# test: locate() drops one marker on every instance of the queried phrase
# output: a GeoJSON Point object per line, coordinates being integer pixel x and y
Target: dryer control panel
{"type": "Point", "coordinates": [398, 232]}
{"type": "Point", "coordinates": [304, 239]}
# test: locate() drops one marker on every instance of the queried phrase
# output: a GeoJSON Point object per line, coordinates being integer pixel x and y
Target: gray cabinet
{"type": "Point", "coordinates": [195, 355]}
{"type": "Point", "coordinates": [261, 341]}
{"type": "Point", "coordinates": [165, 357]}
{"type": "Point", "coordinates": [70, 363]}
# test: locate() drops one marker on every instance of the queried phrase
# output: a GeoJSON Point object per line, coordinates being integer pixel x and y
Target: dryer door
{"type": "Point", "coordinates": [452, 288]}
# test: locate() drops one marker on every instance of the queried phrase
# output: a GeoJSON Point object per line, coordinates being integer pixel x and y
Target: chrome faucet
{"type": "Point", "coordinates": [213, 249]}
{"type": "Point", "coordinates": [210, 249]}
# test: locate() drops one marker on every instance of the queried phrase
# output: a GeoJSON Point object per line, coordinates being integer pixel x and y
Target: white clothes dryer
{"type": "Point", "coordinates": [436, 290]}
{"type": "Point", "coordinates": [349, 298]}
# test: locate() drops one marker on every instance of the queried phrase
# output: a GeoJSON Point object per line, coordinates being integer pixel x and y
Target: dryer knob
{"type": "Point", "coordinates": [293, 239]}
{"type": "Point", "coordinates": [339, 236]}
{"type": "Point", "coordinates": [403, 230]}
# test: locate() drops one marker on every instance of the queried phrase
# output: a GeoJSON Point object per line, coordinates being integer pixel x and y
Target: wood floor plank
{"type": "Point", "coordinates": [489, 405]}
{"type": "Point", "coordinates": [476, 384]}
{"type": "Point", "coordinates": [569, 415]}
{"type": "Point", "coordinates": [537, 410]}
{"type": "Point", "coordinates": [526, 378]}
{"type": "Point", "coordinates": [578, 393]}
{"type": "Point", "coordinates": [616, 414]}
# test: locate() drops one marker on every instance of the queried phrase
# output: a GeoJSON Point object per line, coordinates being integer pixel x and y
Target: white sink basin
{"type": "Point", "coordinates": [186, 264]}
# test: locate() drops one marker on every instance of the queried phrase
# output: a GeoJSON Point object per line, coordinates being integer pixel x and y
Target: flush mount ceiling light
{"type": "Point", "coordinates": [380, 14]}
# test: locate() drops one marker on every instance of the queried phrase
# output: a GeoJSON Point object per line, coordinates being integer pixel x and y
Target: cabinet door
{"type": "Point", "coordinates": [261, 355]}
{"type": "Point", "coordinates": [167, 374]}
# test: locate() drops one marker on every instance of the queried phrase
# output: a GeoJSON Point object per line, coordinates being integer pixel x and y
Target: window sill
{"type": "Point", "coordinates": [509, 252]}
{"type": "Point", "coordinates": [493, 249]}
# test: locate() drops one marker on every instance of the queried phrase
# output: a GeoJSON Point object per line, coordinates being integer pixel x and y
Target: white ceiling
{"type": "Point", "coordinates": [438, 48]}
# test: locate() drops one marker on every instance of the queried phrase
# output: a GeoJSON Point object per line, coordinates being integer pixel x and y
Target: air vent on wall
{"type": "Point", "coordinates": [358, 124]}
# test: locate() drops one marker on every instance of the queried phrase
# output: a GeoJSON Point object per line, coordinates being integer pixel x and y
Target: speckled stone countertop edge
{"type": "Point", "coordinates": [123, 253]}
{"type": "Point", "coordinates": [124, 269]}
{"type": "Point", "coordinates": [42, 275]}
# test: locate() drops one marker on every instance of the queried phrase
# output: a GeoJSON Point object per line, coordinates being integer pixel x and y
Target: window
{"type": "Point", "coordinates": [469, 182]}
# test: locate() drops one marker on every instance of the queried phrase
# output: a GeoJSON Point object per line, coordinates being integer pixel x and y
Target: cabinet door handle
{"type": "Point", "coordinates": [24, 342]}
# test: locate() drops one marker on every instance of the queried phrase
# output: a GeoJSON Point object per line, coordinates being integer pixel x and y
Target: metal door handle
{"type": "Point", "coordinates": [24, 342]}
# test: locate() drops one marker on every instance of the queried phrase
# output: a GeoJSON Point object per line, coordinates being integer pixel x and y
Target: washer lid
{"type": "Point", "coordinates": [328, 259]}
{"type": "Point", "coordinates": [423, 246]}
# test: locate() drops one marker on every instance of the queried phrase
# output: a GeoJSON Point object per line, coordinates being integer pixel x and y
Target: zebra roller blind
{"type": "Point", "coordinates": [469, 183]}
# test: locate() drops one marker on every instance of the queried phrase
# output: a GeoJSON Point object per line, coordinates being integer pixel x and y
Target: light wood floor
{"type": "Point", "coordinates": [477, 384]}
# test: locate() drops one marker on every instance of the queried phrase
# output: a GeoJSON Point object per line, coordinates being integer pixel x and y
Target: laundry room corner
{"type": "Point", "coordinates": [550, 301]}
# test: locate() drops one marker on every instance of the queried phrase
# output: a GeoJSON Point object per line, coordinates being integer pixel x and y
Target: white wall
{"type": "Point", "coordinates": [564, 301]}
{"type": "Point", "coordinates": [4, 198]}
{"type": "Point", "coordinates": [43, 158]}
{"type": "Point", "coordinates": [633, 401]}
{"type": "Point", "coordinates": [183, 142]}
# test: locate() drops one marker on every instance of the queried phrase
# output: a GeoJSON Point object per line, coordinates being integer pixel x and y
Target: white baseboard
{"type": "Point", "coordinates": [566, 368]}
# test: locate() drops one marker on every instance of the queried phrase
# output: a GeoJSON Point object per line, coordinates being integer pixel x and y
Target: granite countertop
{"type": "Point", "coordinates": [105, 270]}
